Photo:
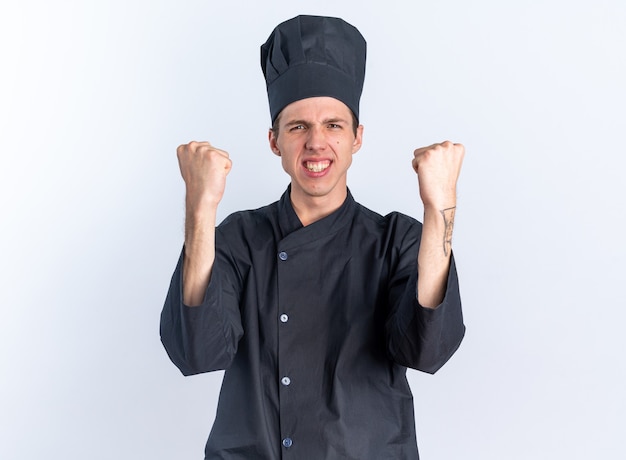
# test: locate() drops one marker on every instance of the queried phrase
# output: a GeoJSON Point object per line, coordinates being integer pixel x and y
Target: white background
{"type": "Point", "coordinates": [96, 96]}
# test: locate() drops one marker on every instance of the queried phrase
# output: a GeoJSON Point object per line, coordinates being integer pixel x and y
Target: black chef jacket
{"type": "Point", "coordinates": [315, 327]}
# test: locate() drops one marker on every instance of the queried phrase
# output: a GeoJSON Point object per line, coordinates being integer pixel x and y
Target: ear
{"type": "Point", "coordinates": [358, 139]}
{"type": "Point", "coordinates": [273, 140]}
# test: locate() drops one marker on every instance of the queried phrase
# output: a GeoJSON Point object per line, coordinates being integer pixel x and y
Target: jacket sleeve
{"type": "Point", "coordinates": [202, 338]}
{"type": "Point", "coordinates": [418, 337]}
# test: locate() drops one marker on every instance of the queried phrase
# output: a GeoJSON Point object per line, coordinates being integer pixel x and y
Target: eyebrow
{"type": "Point", "coordinates": [297, 122]}
{"type": "Point", "coordinates": [335, 120]}
{"type": "Point", "coordinates": [306, 123]}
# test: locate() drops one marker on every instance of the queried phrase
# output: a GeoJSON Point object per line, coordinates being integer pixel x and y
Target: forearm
{"type": "Point", "coordinates": [437, 168]}
{"type": "Point", "coordinates": [433, 260]}
{"type": "Point", "coordinates": [204, 169]}
{"type": "Point", "coordinates": [199, 251]}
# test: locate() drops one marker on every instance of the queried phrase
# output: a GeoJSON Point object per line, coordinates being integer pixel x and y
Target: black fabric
{"type": "Point", "coordinates": [310, 56]}
{"type": "Point", "coordinates": [347, 284]}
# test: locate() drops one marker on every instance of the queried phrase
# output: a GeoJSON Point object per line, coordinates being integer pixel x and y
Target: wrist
{"type": "Point", "coordinates": [201, 204]}
{"type": "Point", "coordinates": [437, 209]}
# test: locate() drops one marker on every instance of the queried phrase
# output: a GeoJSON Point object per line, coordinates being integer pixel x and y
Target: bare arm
{"type": "Point", "coordinates": [204, 169]}
{"type": "Point", "coordinates": [437, 168]}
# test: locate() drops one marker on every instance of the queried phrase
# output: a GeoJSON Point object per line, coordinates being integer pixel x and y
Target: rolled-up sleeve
{"type": "Point", "coordinates": [418, 337]}
{"type": "Point", "coordinates": [202, 338]}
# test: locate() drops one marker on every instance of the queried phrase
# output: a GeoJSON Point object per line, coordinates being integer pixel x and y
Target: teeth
{"type": "Point", "coordinates": [317, 166]}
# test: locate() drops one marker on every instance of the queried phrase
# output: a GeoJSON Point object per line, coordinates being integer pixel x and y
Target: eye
{"type": "Point", "coordinates": [296, 127]}
{"type": "Point", "coordinates": [334, 126]}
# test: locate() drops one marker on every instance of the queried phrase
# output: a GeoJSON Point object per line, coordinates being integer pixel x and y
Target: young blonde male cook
{"type": "Point", "coordinates": [314, 305]}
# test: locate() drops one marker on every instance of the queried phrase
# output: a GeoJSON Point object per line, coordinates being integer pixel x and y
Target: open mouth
{"type": "Point", "coordinates": [317, 166]}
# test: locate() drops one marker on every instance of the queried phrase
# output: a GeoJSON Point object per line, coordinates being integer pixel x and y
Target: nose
{"type": "Point", "coordinates": [316, 139]}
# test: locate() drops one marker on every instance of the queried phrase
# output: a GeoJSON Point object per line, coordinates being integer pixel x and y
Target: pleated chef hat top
{"type": "Point", "coordinates": [310, 56]}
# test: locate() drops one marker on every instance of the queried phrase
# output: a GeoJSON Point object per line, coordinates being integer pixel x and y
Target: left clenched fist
{"type": "Point", "coordinates": [438, 167]}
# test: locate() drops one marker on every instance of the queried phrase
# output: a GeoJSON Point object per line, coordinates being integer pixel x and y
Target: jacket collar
{"type": "Point", "coordinates": [289, 222]}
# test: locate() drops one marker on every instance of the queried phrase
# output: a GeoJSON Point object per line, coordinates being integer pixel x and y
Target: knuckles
{"type": "Point", "coordinates": [443, 148]}
{"type": "Point", "coordinates": [201, 161]}
{"type": "Point", "coordinates": [444, 156]}
{"type": "Point", "coordinates": [201, 150]}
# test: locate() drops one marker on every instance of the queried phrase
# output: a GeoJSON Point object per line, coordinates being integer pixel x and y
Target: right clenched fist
{"type": "Point", "coordinates": [204, 169]}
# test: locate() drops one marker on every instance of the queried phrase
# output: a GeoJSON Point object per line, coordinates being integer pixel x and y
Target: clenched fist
{"type": "Point", "coordinates": [204, 169]}
{"type": "Point", "coordinates": [438, 167]}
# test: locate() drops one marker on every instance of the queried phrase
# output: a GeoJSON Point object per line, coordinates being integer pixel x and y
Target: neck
{"type": "Point", "coordinates": [310, 209]}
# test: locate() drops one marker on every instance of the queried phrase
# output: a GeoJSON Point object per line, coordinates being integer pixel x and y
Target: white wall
{"type": "Point", "coordinates": [94, 99]}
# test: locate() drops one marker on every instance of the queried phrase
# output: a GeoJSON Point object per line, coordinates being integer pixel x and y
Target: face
{"type": "Point", "coordinates": [316, 142]}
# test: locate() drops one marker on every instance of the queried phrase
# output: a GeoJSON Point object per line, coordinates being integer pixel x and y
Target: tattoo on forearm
{"type": "Point", "coordinates": [448, 220]}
